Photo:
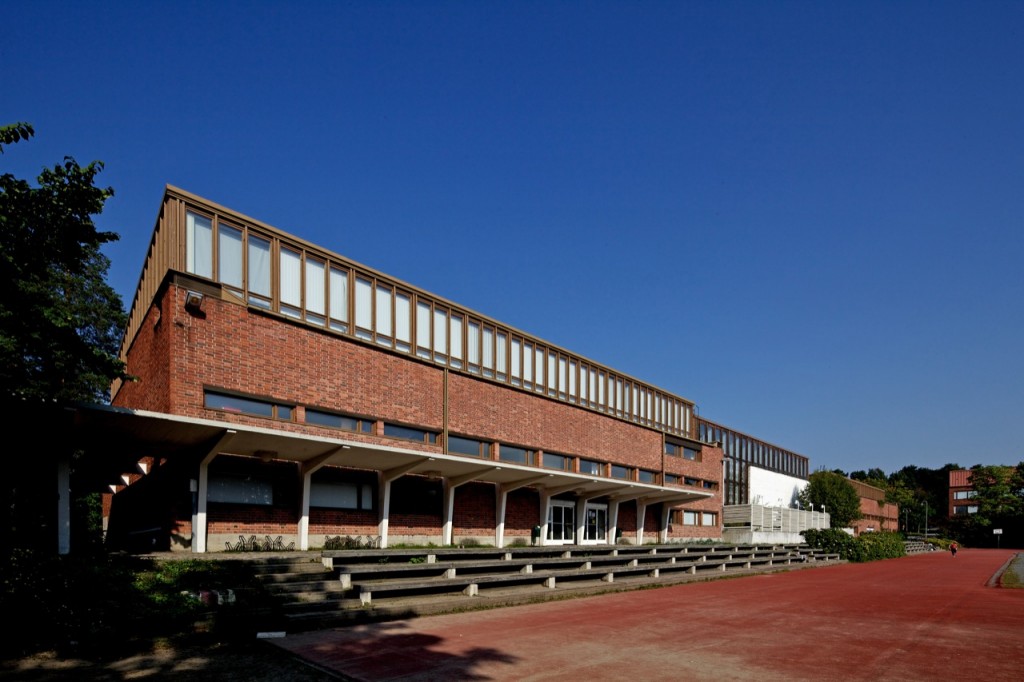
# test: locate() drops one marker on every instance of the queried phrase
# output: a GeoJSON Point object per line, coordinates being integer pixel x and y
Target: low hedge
{"type": "Point", "coordinates": [865, 547]}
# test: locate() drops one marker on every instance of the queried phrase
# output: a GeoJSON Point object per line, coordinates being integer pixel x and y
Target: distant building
{"type": "Point", "coordinates": [877, 515]}
{"type": "Point", "coordinates": [961, 494]}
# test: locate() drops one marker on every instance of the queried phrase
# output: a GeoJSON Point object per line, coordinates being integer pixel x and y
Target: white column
{"type": "Point", "coordinates": [307, 477]}
{"type": "Point", "coordinates": [581, 520]}
{"type": "Point", "coordinates": [385, 510]}
{"type": "Point", "coordinates": [545, 503]}
{"type": "Point", "coordinates": [501, 498]}
{"type": "Point", "coordinates": [641, 513]}
{"type": "Point", "coordinates": [613, 520]}
{"type": "Point", "coordinates": [199, 532]}
{"type": "Point", "coordinates": [449, 512]}
{"type": "Point", "coordinates": [666, 511]}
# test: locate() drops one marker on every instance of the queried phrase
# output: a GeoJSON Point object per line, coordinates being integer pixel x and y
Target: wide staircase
{"type": "Point", "coordinates": [336, 587]}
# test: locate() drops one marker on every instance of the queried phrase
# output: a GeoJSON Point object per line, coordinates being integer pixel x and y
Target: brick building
{"type": "Point", "coordinates": [962, 495]}
{"type": "Point", "coordinates": [284, 391]}
{"type": "Point", "coordinates": [877, 515]}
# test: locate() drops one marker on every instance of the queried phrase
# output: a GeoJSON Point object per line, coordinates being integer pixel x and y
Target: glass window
{"type": "Point", "coordinates": [338, 421]}
{"type": "Point", "coordinates": [403, 321]}
{"type": "Point", "coordinates": [240, 405]}
{"type": "Point", "coordinates": [291, 282]}
{"type": "Point", "coordinates": [364, 308]}
{"type": "Point", "coordinates": [689, 518]}
{"type": "Point", "coordinates": [552, 461]}
{"type": "Point", "coordinates": [229, 255]}
{"type": "Point", "coordinates": [409, 433]}
{"type": "Point", "coordinates": [315, 290]}
{"type": "Point", "coordinates": [473, 346]}
{"type": "Point", "coordinates": [383, 314]}
{"type": "Point", "coordinates": [508, 453]}
{"type": "Point", "coordinates": [591, 468]}
{"type": "Point", "coordinates": [552, 377]}
{"type": "Point", "coordinates": [239, 490]}
{"type": "Point", "coordinates": [339, 299]}
{"type": "Point", "coordinates": [528, 365]}
{"type": "Point", "coordinates": [198, 245]}
{"type": "Point", "coordinates": [619, 471]}
{"type": "Point", "coordinates": [468, 446]}
{"type": "Point", "coordinates": [423, 329]}
{"type": "Point", "coordinates": [455, 338]}
{"type": "Point", "coordinates": [440, 335]}
{"type": "Point", "coordinates": [517, 368]}
{"type": "Point", "coordinates": [708, 519]}
{"type": "Point", "coordinates": [501, 350]}
{"type": "Point", "coordinates": [673, 479]}
{"type": "Point", "coordinates": [538, 362]}
{"type": "Point", "coordinates": [646, 476]}
{"type": "Point", "coordinates": [259, 271]}
{"type": "Point", "coordinates": [339, 495]}
{"type": "Point", "coordinates": [488, 351]}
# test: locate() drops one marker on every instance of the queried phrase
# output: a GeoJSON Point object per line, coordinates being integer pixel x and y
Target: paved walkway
{"type": "Point", "coordinates": [924, 617]}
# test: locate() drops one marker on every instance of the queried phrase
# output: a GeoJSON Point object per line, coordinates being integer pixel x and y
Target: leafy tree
{"type": "Point", "coordinates": [60, 326]}
{"type": "Point", "coordinates": [929, 500]}
{"type": "Point", "coordinates": [836, 494]}
{"type": "Point", "coordinates": [60, 322]}
{"type": "Point", "coordinates": [998, 492]}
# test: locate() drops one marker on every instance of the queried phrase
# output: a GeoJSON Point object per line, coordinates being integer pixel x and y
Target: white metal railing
{"type": "Point", "coordinates": [783, 519]}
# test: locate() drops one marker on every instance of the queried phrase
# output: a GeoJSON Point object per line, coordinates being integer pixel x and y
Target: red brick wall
{"type": "Point", "coordinates": [475, 510]}
{"type": "Point", "coordinates": [480, 408]}
{"type": "Point", "coordinates": [149, 361]}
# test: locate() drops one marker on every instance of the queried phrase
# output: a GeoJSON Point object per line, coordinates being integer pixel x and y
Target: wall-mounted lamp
{"type": "Point", "coordinates": [194, 302]}
{"type": "Point", "coordinates": [266, 455]}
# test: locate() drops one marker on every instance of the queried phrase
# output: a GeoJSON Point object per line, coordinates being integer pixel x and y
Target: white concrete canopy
{"type": "Point", "coordinates": [119, 435]}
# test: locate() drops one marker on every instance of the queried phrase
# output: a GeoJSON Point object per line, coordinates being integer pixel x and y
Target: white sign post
{"type": "Point", "coordinates": [997, 532]}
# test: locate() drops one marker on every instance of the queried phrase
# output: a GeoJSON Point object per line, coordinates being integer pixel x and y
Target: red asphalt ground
{"type": "Point", "coordinates": [923, 617]}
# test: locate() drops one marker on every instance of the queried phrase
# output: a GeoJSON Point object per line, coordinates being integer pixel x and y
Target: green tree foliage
{"type": "Point", "coordinates": [873, 477]}
{"type": "Point", "coordinates": [836, 494]}
{"type": "Point", "coordinates": [60, 322]}
{"type": "Point", "coordinates": [923, 495]}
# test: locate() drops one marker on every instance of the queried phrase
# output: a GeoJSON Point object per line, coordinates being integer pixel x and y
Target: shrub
{"type": "Point", "coordinates": [72, 602]}
{"type": "Point", "coordinates": [875, 546]}
{"type": "Point", "coordinates": [830, 540]}
{"type": "Point", "coordinates": [866, 547]}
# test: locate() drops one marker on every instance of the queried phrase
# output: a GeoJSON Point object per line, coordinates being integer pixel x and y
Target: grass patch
{"type": "Point", "coordinates": [1013, 576]}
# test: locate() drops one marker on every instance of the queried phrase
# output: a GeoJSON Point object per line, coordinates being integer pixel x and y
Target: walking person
{"type": "Point", "coordinates": [953, 548]}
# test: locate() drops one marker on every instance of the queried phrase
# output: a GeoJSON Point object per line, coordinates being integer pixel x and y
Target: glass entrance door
{"type": "Point", "coordinates": [561, 522]}
{"type": "Point", "coordinates": [596, 530]}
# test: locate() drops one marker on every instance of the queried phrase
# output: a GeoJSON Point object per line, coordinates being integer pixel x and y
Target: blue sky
{"type": "Point", "coordinates": [804, 216]}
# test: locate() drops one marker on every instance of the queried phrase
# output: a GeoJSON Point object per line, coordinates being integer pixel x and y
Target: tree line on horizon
{"type": "Point", "coordinates": [922, 495]}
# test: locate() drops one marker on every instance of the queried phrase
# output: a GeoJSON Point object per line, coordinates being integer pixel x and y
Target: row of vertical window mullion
{"type": "Point", "coordinates": [486, 346]}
